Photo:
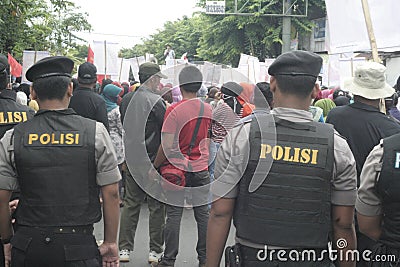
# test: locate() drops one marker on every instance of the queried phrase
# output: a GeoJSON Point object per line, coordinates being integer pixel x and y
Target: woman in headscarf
{"type": "Point", "coordinates": [110, 94]}
{"type": "Point", "coordinates": [326, 105]}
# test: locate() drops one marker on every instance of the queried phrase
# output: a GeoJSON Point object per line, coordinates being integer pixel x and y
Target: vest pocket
{"type": "Point", "coordinates": [20, 245]}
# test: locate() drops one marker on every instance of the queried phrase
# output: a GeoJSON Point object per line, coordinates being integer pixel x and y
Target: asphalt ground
{"type": "Point", "coordinates": [187, 248]}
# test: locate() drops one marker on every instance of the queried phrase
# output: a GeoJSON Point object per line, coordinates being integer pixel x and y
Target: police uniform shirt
{"type": "Point", "coordinates": [106, 160]}
{"type": "Point", "coordinates": [368, 202]}
{"type": "Point", "coordinates": [229, 163]}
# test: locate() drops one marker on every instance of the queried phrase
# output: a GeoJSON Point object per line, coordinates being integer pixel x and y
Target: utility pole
{"type": "Point", "coordinates": [286, 25]}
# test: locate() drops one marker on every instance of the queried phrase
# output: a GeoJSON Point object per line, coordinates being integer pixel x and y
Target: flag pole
{"type": "Point", "coordinates": [372, 40]}
{"type": "Point", "coordinates": [105, 59]}
{"type": "Point", "coordinates": [120, 70]}
{"type": "Point", "coordinates": [370, 29]}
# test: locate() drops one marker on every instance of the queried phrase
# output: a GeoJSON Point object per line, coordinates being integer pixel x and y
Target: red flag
{"type": "Point", "coordinates": [15, 67]}
{"type": "Point", "coordinates": [90, 56]}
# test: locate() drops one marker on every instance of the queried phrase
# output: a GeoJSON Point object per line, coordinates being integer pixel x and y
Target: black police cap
{"type": "Point", "coordinates": [3, 63]}
{"type": "Point", "coordinates": [297, 63]}
{"type": "Point", "coordinates": [49, 67]}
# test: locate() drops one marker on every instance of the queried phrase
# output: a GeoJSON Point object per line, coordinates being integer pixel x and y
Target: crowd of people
{"type": "Point", "coordinates": [295, 166]}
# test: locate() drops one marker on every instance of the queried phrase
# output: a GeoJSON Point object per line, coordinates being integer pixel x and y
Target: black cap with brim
{"type": "Point", "coordinates": [296, 63]}
{"type": "Point", "coordinates": [50, 67]}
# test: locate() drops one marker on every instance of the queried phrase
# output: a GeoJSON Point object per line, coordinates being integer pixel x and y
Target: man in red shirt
{"type": "Point", "coordinates": [178, 130]}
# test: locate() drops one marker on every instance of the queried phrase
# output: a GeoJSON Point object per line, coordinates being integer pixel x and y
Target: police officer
{"type": "Point", "coordinates": [11, 113]}
{"type": "Point", "coordinates": [378, 202]}
{"type": "Point", "coordinates": [62, 161]}
{"type": "Point", "coordinates": [309, 190]}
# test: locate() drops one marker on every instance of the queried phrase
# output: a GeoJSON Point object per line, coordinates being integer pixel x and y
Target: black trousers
{"type": "Point", "coordinates": [249, 259]}
{"type": "Point", "coordinates": [46, 248]}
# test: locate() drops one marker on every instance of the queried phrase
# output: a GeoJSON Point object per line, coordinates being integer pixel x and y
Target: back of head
{"type": "Point", "coordinates": [263, 95]}
{"type": "Point", "coordinates": [212, 92]}
{"type": "Point", "coordinates": [296, 72]}
{"type": "Point", "coordinates": [4, 72]}
{"type": "Point", "coordinates": [147, 70]}
{"type": "Point", "coordinates": [341, 101]}
{"type": "Point", "coordinates": [87, 73]}
{"type": "Point", "coordinates": [51, 77]}
{"type": "Point", "coordinates": [326, 105]}
{"type": "Point", "coordinates": [231, 89]}
{"type": "Point", "coordinates": [190, 79]}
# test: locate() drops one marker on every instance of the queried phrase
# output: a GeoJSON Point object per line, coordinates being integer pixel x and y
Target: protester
{"type": "Point", "coordinates": [392, 106]}
{"type": "Point", "coordinates": [22, 98]}
{"type": "Point", "coordinates": [341, 101]}
{"type": "Point", "coordinates": [110, 95]}
{"type": "Point", "coordinates": [85, 102]}
{"type": "Point", "coordinates": [24, 87]}
{"type": "Point", "coordinates": [326, 105]}
{"type": "Point", "coordinates": [59, 179]}
{"type": "Point", "coordinates": [146, 105]}
{"type": "Point", "coordinates": [169, 53]}
{"type": "Point", "coordinates": [290, 210]}
{"type": "Point", "coordinates": [184, 122]}
{"type": "Point", "coordinates": [212, 94]}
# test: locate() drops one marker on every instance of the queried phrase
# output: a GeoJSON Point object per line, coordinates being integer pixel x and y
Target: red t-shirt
{"type": "Point", "coordinates": [180, 119]}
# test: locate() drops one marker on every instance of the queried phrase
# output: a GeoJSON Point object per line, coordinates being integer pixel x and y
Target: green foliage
{"type": "Point", "coordinates": [40, 25]}
{"type": "Point", "coordinates": [222, 38]}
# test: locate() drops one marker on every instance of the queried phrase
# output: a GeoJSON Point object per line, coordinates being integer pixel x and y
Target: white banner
{"type": "Point", "coordinates": [29, 58]}
{"type": "Point", "coordinates": [348, 31]}
{"type": "Point", "coordinates": [123, 69]}
{"type": "Point", "coordinates": [106, 57]}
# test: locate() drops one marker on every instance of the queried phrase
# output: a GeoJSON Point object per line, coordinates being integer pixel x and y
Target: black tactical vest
{"type": "Point", "coordinates": [388, 188]}
{"type": "Point", "coordinates": [292, 207]}
{"type": "Point", "coordinates": [11, 113]}
{"type": "Point", "coordinates": [56, 168]}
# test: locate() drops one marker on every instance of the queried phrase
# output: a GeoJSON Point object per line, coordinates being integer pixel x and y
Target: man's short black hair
{"type": "Point", "coordinates": [301, 86]}
{"type": "Point", "coordinates": [190, 79]}
{"type": "Point", "coordinates": [3, 80]}
{"type": "Point", "coordinates": [50, 88]}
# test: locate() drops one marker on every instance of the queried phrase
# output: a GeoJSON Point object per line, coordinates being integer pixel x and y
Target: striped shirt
{"type": "Point", "coordinates": [223, 120]}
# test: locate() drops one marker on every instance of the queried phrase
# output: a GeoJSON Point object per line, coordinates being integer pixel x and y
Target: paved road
{"type": "Point", "coordinates": [187, 254]}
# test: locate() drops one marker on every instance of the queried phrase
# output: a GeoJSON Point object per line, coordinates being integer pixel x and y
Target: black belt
{"type": "Point", "coordinates": [87, 229]}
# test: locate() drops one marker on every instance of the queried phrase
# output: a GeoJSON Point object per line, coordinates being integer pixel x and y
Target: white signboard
{"type": "Point", "coordinates": [348, 31]}
{"type": "Point", "coordinates": [215, 7]}
{"type": "Point", "coordinates": [29, 58]}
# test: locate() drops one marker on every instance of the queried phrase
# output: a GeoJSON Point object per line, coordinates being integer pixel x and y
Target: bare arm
{"type": "Point", "coordinates": [111, 212]}
{"type": "Point", "coordinates": [6, 230]}
{"type": "Point", "coordinates": [109, 248]}
{"type": "Point", "coordinates": [343, 229]}
{"type": "Point", "coordinates": [218, 229]}
{"type": "Point", "coordinates": [370, 225]}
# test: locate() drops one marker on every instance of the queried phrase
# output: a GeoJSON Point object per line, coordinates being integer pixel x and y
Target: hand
{"type": "Point", "coordinates": [13, 205]}
{"type": "Point", "coordinates": [109, 253]}
{"type": "Point", "coordinates": [7, 255]}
